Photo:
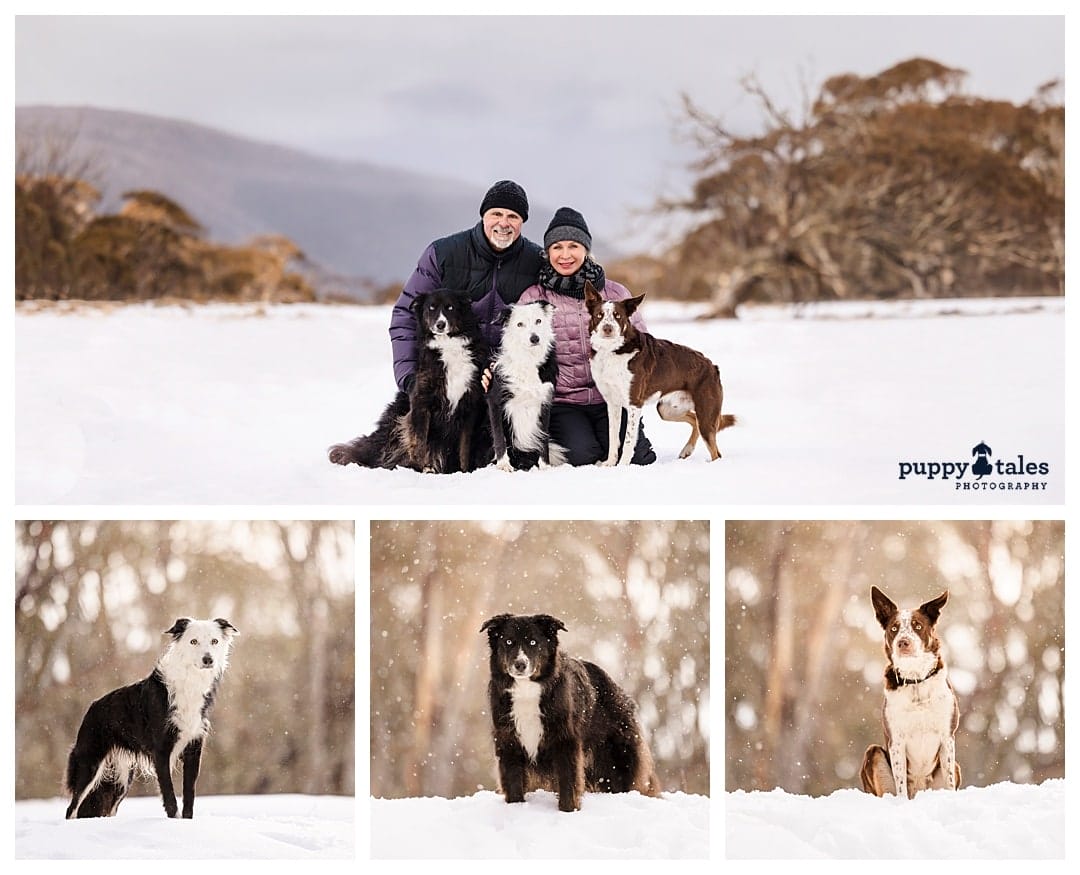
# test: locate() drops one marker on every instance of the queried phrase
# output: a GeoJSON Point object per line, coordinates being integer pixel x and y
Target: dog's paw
{"type": "Point", "coordinates": [340, 454]}
{"type": "Point", "coordinates": [607, 463]}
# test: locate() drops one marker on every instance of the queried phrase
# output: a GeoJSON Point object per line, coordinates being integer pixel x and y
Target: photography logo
{"type": "Point", "coordinates": [982, 472]}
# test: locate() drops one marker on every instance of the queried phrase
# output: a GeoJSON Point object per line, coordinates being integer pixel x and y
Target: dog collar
{"type": "Point", "coordinates": [903, 682]}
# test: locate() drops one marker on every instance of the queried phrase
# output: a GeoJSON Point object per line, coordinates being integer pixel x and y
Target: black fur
{"type": "Point", "coordinates": [422, 429]}
{"type": "Point", "coordinates": [138, 722]}
{"type": "Point", "coordinates": [523, 376]}
{"type": "Point", "coordinates": [590, 738]}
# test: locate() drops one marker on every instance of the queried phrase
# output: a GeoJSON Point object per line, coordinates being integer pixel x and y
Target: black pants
{"type": "Point", "coordinates": [582, 430]}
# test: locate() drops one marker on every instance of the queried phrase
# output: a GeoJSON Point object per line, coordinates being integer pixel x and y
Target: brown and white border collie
{"type": "Point", "coordinates": [921, 713]}
{"type": "Point", "coordinates": [632, 368]}
{"type": "Point", "coordinates": [560, 723]}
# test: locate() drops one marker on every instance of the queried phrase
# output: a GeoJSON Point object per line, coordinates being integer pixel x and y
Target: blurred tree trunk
{"type": "Point", "coordinates": [821, 658]}
{"type": "Point", "coordinates": [778, 699]}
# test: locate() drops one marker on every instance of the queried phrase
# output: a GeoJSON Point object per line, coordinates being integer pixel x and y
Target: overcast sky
{"type": "Point", "coordinates": [581, 110]}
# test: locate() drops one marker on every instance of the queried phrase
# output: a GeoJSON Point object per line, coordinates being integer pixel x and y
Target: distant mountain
{"type": "Point", "coordinates": [360, 223]}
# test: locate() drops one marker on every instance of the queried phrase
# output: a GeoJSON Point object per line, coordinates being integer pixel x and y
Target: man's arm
{"type": "Point", "coordinates": [426, 278]}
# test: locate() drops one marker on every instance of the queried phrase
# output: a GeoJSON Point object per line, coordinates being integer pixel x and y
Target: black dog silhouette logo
{"type": "Point", "coordinates": [981, 466]}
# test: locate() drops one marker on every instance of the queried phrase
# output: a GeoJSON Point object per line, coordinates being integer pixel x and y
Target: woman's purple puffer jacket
{"type": "Point", "coordinates": [572, 349]}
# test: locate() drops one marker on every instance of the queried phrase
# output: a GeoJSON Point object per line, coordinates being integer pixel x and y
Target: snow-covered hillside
{"type": "Point", "coordinates": [237, 405]}
{"type": "Point", "coordinates": [1004, 821]}
{"type": "Point", "coordinates": [224, 827]}
{"type": "Point", "coordinates": [623, 825]}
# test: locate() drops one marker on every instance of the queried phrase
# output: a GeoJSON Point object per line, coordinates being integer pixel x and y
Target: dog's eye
{"type": "Point", "coordinates": [538, 321]}
{"type": "Point", "coordinates": [194, 640]}
{"type": "Point", "coordinates": [508, 641]}
{"type": "Point", "coordinates": [533, 643]}
{"type": "Point", "coordinates": [213, 640]}
{"type": "Point", "coordinates": [918, 626]}
{"type": "Point", "coordinates": [896, 627]}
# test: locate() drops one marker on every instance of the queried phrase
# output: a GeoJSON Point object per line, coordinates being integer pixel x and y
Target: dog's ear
{"type": "Point", "coordinates": [227, 628]}
{"type": "Point", "coordinates": [592, 297]}
{"type": "Point", "coordinates": [932, 608]}
{"type": "Point", "coordinates": [504, 316]}
{"type": "Point", "coordinates": [178, 628]}
{"type": "Point", "coordinates": [546, 306]}
{"type": "Point", "coordinates": [550, 625]}
{"type": "Point", "coordinates": [492, 626]}
{"type": "Point", "coordinates": [884, 607]}
{"type": "Point", "coordinates": [632, 304]}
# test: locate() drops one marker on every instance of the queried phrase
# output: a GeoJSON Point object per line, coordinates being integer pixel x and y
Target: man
{"type": "Point", "coordinates": [491, 261]}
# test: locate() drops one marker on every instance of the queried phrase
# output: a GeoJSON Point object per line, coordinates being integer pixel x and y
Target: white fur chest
{"type": "Point", "coordinates": [612, 375]}
{"type": "Point", "coordinates": [187, 696]}
{"type": "Point", "coordinates": [461, 369]}
{"type": "Point", "coordinates": [526, 399]}
{"type": "Point", "coordinates": [525, 696]}
{"type": "Point", "coordinates": [920, 719]}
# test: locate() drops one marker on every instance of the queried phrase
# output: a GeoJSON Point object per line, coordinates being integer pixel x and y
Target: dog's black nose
{"type": "Point", "coordinates": [534, 339]}
{"type": "Point", "coordinates": [520, 665]}
{"type": "Point", "coordinates": [207, 659]}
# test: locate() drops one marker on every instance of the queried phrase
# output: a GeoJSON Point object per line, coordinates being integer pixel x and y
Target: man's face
{"type": "Point", "coordinates": [501, 227]}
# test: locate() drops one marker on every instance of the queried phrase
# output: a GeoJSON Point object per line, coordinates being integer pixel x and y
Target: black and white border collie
{"type": "Point", "coordinates": [439, 426]}
{"type": "Point", "coordinates": [147, 727]}
{"type": "Point", "coordinates": [559, 723]}
{"type": "Point", "coordinates": [921, 712]}
{"type": "Point", "coordinates": [523, 375]}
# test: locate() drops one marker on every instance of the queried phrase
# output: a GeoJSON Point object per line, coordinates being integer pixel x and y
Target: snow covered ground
{"type": "Point", "coordinates": [224, 827]}
{"type": "Point", "coordinates": [147, 405]}
{"type": "Point", "coordinates": [608, 826]}
{"type": "Point", "coordinates": [1003, 821]}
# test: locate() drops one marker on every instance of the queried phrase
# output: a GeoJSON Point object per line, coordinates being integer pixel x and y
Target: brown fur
{"type": "Point", "coordinates": [664, 367]}
{"type": "Point", "coordinates": [923, 707]}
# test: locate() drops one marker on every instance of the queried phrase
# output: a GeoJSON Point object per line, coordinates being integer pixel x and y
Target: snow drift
{"type": "Point", "coordinates": [609, 825]}
{"type": "Point", "coordinates": [224, 827]}
{"type": "Point", "coordinates": [1017, 821]}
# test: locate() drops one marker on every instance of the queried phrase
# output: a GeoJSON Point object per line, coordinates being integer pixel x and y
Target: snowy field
{"type": "Point", "coordinates": [146, 405]}
{"type": "Point", "coordinates": [224, 827]}
{"type": "Point", "coordinates": [608, 826]}
{"type": "Point", "coordinates": [1003, 821]}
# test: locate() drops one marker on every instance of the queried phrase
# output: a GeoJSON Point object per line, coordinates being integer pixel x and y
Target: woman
{"type": "Point", "coordinates": [579, 421]}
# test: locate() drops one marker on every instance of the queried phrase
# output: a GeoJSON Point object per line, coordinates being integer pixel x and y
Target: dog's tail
{"type": "Point", "coordinates": [726, 420]}
{"type": "Point", "coordinates": [370, 450]}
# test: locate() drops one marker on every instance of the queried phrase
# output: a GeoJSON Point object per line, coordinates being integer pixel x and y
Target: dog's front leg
{"type": "Point", "coordinates": [164, 779]}
{"type": "Point", "coordinates": [570, 773]}
{"type": "Point", "coordinates": [495, 421]}
{"type": "Point", "coordinates": [947, 756]}
{"type": "Point", "coordinates": [545, 439]}
{"type": "Point", "coordinates": [512, 765]}
{"type": "Point", "coordinates": [192, 757]}
{"type": "Point", "coordinates": [614, 419]}
{"type": "Point", "coordinates": [465, 444]}
{"type": "Point", "coordinates": [633, 423]}
{"type": "Point", "coordinates": [898, 760]}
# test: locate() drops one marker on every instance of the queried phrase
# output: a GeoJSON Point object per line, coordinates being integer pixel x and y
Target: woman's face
{"type": "Point", "coordinates": [566, 256]}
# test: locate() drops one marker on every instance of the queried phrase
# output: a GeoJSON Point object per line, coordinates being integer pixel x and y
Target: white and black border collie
{"type": "Point", "coordinates": [523, 375]}
{"type": "Point", "coordinates": [439, 425]}
{"type": "Point", "coordinates": [921, 713]}
{"type": "Point", "coordinates": [147, 727]}
{"type": "Point", "coordinates": [559, 723]}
